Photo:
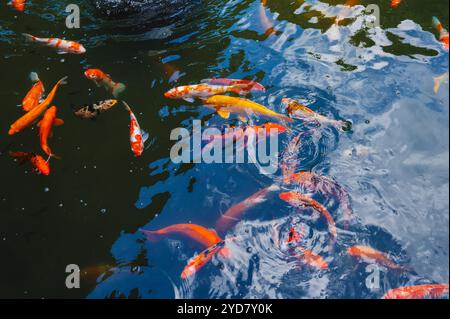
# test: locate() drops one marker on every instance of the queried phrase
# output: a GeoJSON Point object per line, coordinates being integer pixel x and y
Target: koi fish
{"type": "Point", "coordinates": [237, 133]}
{"type": "Point", "coordinates": [395, 3]}
{"type": "Point", "coordinates": [225, 105]}
{"type": "Point", "coordinates": [91, 111]}
{"type": "Point", "coordinates": [189, 92]}
{"type": "Point", "coordinates": [328, 187]}
{"type": "Point", "coordinates": [28, 119]}
{"type": "Point", "coordinates": [39, 164]}
{"type": "Point", "coordinates": [137, 136]}
{"type": "Point", "coordinates": [298, 110]}
{"type": "Point", "coordinates": [102, 79]}
{"type": "Point", "coordinates": [369, 255]}
{"type": "Point", "coordinates": [62, 46]}
{"type": "Point", "coordinates": [312, 258]}
{"type": "Point", "coordinates": [298, 200]}
{"type": "Point", "coordinates": [418, 292]}
{"type": "Point", "coordinates": [289, 159]}
{"type": "Point", "coordinates": [34, 96]}
{"type": "Point", "coordinates": [201, 235]}
{"type": "Point", "coordinates": [443, 33]}
{"type": "Point", "coordinates": [45, 128]}
{"type": "Point", "coordinates": [19, 5]}
{"type": "Point", "coordinates": [197, 262]}
{"type": "Point", "coordinates": [233, 214]}
{"type": "Point", "coordinates": [439, 80]}
{"type": "Point", "coordinates": [252, 86]}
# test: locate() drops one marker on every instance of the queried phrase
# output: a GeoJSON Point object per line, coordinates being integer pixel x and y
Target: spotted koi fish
{"type": "Point", "coordinates": [34, 96]}
{"type": "Point", "coordinates": [102, 79]}
{"type": "Point", "coordinates": [18, 5]}
{"type": "Point", "coordinates": [91, 111]}
{"type": "Point", "coordinates": [62, 46]}
{"type": "Point", "coordinates": [299, 200]}
{"type": "Point", "coordinates": [190, 92]}
{"type": "Point", "coordinates": [418, 292]}
{"type": "Point", "coordinates": [443, 33]}
{"type": "Point", "coordinates": [197, 262]}
{"type": "Point", "coordinates": [251, 86]}
{"type": "Point", "coordinates": [370, 255]}
{"type": "Point", "coordinates": [138, 137]}
{"type": "Point", "coordinates": [45, 129]}
{"type": "Point", "coordinates": [29, 118]}
{"type": "Point", "coordinates": [39, 164]}
{"type": "Point", "coordinates": [298, 110]}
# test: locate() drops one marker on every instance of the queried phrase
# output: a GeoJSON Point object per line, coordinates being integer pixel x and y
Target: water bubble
{"type": "Point", "coordinates": [46, 189]}
{"type": "Point", "coordinates": [103, 210]}
{"type": "Point", "coordinates": [249, 250]}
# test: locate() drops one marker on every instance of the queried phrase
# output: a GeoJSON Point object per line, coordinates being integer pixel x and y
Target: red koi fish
{"type": "Point", "coordinates": [197, 262]}
{"type": "Point", "coordinates": [190, 92]}
{"type": "Point", "coordinates": [252, 86]}
{"type": "Point", "coordinates": [312, 259]}
{"type": "Point", "coordinates": [201, 235]}
{"type": "Point", "coordinates": [62, 46]}
{"type": "Point", "coordinates": [418, 292]}
{"type": "Point", "coordinates": [45, 129]}
{"type": "Point", "coordinates": [137, 136]}
{"type": "Point", "coordinates": [370, 255]}
{"type": "Point", "coordinates": [443, 33]}
{"type": "Point", "coordinates": [234, 214]}
{"type": "Point", "coordinates": [34, 96]}
{"type": "Point", "coordinates": [39, 164]}
{"type": "Point", "coordinates": [299, 200]}
{"type": "Point", "coordinates": [102, 79]}
{"type": "Point", "coordinates": [395, 3]}
{"type": "Point", "coordinates": [19, 5]}
{"type": "Point", "coordinates": [328, 187]}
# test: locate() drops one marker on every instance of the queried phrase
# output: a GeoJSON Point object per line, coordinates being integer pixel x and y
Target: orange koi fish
{"type": "Point", "coordinates": [34, 96]}
{"type": "Point", "coordinates": [45, 129]}
{"type": "Point", "coordinates": [197, 262]}
{"type": "Point", "coordinates": [137, 136]}
{"type": "Point", "coordinates": [370, 255]}
{"type": "Point", "coordinates": [328, 187]}
{"type": "Point", "coordinates": [395, 3]}
{"type": "Point", "coordinates": [298, 200]}
{"type": "Point", "coordinates": [298, 110]}
{"type": "Point", "coordinates": [443, 33]}
{"type": "Point", "coordinates": [224, 105]}
{"type": "Point", "coordinates": [201, 235]}
{"type": "Point", "coordinates": [39, 164]}
{"type": "Point", "coordinates": [102, 79]}
{"type": "Point", "coordinates": [28, 119]}
{"type": "Point", "coordinates": [233, 214]}
{"type": "Point", "coordinates": [19, 5]}
{"type": "Point", "coordinates": [312, 259]}
{"type": "Point", "coordinates": [418, 292]}
{"type": "Point", "coordinates": [62, 46]}
{"type": "Point", "coordinates": [251, 85]}
{"type": "Point", "coordinates": [189, 92]}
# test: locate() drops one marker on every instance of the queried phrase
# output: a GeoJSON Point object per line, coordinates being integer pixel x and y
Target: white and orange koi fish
{"type": "Point", "coordinates": [137, 136]}
{"type": "Point", "coordinates": [63, 46]}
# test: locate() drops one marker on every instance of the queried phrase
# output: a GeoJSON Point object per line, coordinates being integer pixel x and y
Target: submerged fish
{"type": "Point", "coordinates": [62, 46]}
{"type": "Point", "coordinates": [224, 105]}
{"type": "Point", "coordinates": [395, 3]}
{"type": "Point", "coordinates": [197, 262]}
{"type": "Point", "coordinates": [234, 214]}
{"type": "Point", "coordinates": [19, 5]}
{"type": "Point", "coordinates": [102, 79]}
{"type": "Point", "coordinates": [418, 292]}
{"type": "Point", "coordinates": [298, 110]}
{"type": "Point", "coordinates": [34, 96]}
{"type": "Point", "coordinates": [311, 258]}
{"type": "Point", "coordinates": [189, 92]}
{"type": "Point", "coordinates": [443, 33]}
{"type": "Point", "coordinates": [45, 128]}
{"type": "Point", "coordinates": [28, 119]}
{"type": "Point", "coordinates": [251, 86]}
{"type": "Point", "coordinates": [91, 111]}
{"type": "Point", "coordinates": [39, 164]}
{"type": "Point", "coordinates": [370, 255]}
{"type": "Point", "coordinates": [299, 200]}
{"type": "Point", "coordinates": [201, 235]}
{"type": "Point", "coordinates": [137, 136]}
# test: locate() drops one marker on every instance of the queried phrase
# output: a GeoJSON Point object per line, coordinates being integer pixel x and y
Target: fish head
{"type": "Point", "coordinates": [173, 93]}
{"type": "Point", "coordinates": [94, 74]}
{"type": "Point", "coordinates": [269, 127]}
{"type": "Point", "coordinates": [41, 165]}
{"type": "Point", "coordinates": [81, 49]}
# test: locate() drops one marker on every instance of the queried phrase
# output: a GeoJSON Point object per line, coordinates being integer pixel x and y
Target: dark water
{"type": "Point", "coordinates": [394, 163]}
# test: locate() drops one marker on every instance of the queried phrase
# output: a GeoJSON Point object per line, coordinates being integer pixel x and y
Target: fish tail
{"type": "Point", "coordinates": [55, 156]}
{"type": "Point", "coordinates": [118, 88]}
{"type": "Point", "coordinates": [436, 23]}
{"type": "Point", "coordinates": [34, 77]}
{"type": "Point", "coordinates": [62, 81]}
{"type": "Point", "coordinates": [151, 235]}
{"type": "Point", "coordinates": [30, 37]}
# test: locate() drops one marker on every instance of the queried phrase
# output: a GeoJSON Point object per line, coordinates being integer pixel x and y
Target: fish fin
{"type": "Point", "coordinates": [224, 114]}
{"type": "Point", "coordinates": [61, 52]}
{"type": "Point", "coordinates": [58, 122]}
{"type": "Point", "coordinates": [189, 99]}
{"type": "Point", "coordinates": [437, 85]}
{"type": "Point", "coordinates": [127, 107]}
{"type": "Point", "coordinates": [243, 119]}
{"type": "Point", "coordinates": [98, 83]}
{"type": "Point", "coordinates": [34, 77]}
{"type": "Point", "coordinates": [29, 37]}
{"type": "Point", "coordinates": [38, 124]}
{"type": "Point", "coordinates": [118, 88]}
{"type": "Point", "coordinates": [145, 136]}
{"type": "Point", "coordinates": [55, 156]}
{"type": "Point", "coordinates": [62, 81]}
